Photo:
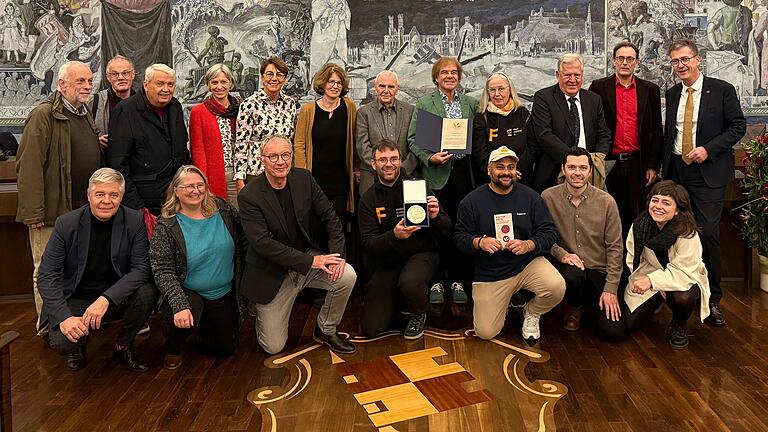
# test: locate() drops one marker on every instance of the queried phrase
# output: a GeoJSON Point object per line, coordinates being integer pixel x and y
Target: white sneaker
{"type": "Point", "coordinates": [531, 325]}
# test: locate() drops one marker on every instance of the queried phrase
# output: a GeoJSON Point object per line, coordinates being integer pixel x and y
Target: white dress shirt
{"type": "Point", "coordinates": [678, 149]}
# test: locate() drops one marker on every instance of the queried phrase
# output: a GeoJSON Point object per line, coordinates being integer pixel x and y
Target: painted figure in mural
{"type": "Point", "coordinates": [761, 45]}
{"type": "Point", "coordinates": [10, 35]}
{"type": "Point", "coordinates": [214, 48]}
{"type": "Point", "coordinates": [236, 66]}
{"type": "Point", "coordinates": [729, 27]}
{"type": "Point", "coordinates": [329, 33]}
{"type": "Point", "coordinates": [275, 31]}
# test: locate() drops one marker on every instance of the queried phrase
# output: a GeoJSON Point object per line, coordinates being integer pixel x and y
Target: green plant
{"type": "Point", "coordinates": [754, 213]}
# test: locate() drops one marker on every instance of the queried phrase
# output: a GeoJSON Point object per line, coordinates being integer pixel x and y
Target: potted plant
{"type": "Point", "coordinates": [754, 213]}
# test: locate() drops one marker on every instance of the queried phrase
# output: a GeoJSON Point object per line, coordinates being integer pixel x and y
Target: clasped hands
{"type": "Point", "coordinates": [74, 327]}
{"type": "Point", "coordinates": [517, 247]}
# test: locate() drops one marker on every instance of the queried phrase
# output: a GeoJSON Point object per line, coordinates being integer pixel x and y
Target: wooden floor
{"type": "Point", "coordinates": [449, 381]}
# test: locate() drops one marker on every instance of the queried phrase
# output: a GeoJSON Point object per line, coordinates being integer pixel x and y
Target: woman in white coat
{"type": "Point", "coordinates": [664, 256]}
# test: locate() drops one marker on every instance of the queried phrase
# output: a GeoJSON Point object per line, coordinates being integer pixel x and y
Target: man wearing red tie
{"type": "Point", "coordinates": [704, 122]}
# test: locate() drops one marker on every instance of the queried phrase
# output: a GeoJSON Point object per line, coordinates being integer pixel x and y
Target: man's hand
{"type": "Point", "coordinates": [402, 232]}
{"type": "Point", "coordinates": [324, 262]}
{"type": "Point", "coordinates": [73, 328]}
{"type": "Point", "coordinates": [433, 207]}
{"type": "Point", "coordinates": [641, 285]}
{"type": "Point", "coordinates": [37, 225]}
{"type": "Point", "coordinates": [609, 303]}
{"type": "Point", "coordinates": [573, 260]}
{"type": "Point", "coordinates": [490, 244]}
{"type": "Point", "coordinates": [440, 158]}
{"type": "Point", "coordinates": [239, 184]}
{"type": "Point", "coordinates": [650, 177]}
{"type": "Point", "coordinates": [95, 312]}
{"type": "Point", "coordinates": [103, 140]}
{"type": "Point", "coordinates": [337, 271]}
{"type": "Point", "coordinates": [520, 247]}
{"type": "Point", "coordinates": [698, 155]}
{"type": "Point", "coordinates": [183, 319]}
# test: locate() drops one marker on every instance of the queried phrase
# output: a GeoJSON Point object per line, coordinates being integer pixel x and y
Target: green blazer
{"type": "Point", "coordinates": [437, 175]}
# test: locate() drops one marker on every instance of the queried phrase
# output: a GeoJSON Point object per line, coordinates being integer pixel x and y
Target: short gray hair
{"type": "Point", "coordinates": [386, 72]}
{"type": "Point", "coordinates": [65, 68]}
{"type": "Point", "coordinates": [149, 73]}
{"type": "Point", "coordinates": [217, 69]}
{"type": "Point", "coordinates": [119, 57]}
{"type": "Point", "coordinates": [275, 137]}
{"type": "Point", "coordinates": [106, 175]}
{"type": "Point", "coordinates": [569, 58]}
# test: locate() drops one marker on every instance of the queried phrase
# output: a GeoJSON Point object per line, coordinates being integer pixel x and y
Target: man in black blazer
{"type": "Point", "coordinates": [96, 269]}
{"type": "Point", "coordinates": [565, 115]}
{"type": "Point", "coordinates": [632, 109]}
{"type": "Point", "coordinates": [698, 151]}
{"type": "Point", "coordinates": [279, 210]}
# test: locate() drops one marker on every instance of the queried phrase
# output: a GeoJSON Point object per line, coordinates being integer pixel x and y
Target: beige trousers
{"type": "Point", "coordinates": [38, 239]}
{"type": "Point", "coordinates": [229, 176]}
{"type": "Point", "coordinates": [492, 298]}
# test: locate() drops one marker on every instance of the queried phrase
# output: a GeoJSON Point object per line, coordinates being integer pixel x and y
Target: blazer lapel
{"type": "Point", "coordinates": [642, 100]}
{"type": "Point", "coordinates": [378, 120]}
{"type": "Point", "coordinates": [269, 197]}
{"type": "Point", "coordinates": [559, 98]}
{"type": "Point", "coordinates": [437, 102]}
{"type": "Point", "coordinates": [118, 224]}
{"type": "Point", "coordinates": [403, 121]}
{"type": "Point", "coordinates": [612, 97]}
{"type": "Point", "coordinates": [586, 114]}
{"type": "Point", "coordinates": [703, 103]}
{"type": "Point", "coordinates": [83, 241]}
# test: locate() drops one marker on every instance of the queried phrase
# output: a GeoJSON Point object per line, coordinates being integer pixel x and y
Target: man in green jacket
{"type": "Point", "coordinates": [451, 177]}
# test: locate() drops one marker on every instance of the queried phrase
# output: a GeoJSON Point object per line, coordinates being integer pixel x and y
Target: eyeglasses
{"type": "Point", "coordinates": [191, 187]}
{"type": "Point", "coordinates": [121, 74]}
{"type": "Point", "coordinates": [682, 60]}
{"type": "Point", "coordinates": [497, 89]}
{"type": "Point", "coordinates": [335, 84]}
{"type": "Point", "coordinates": [274, 157]}
{"type": "Point", "coordinates": [383, 161]}
{"type": "Point", "coordinates": [622, 59]}
{"type": "Point", "coordinates": [270, 75]}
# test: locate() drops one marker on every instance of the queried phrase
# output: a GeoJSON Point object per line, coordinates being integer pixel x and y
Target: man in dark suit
{"type": "Point", "coordinates": [565, 115]}
{"type": "Point", "coordinates": [279, 209]}
{"type": "Point", "coordinates": [385, 118]}
{"type": "Point", "coordinates": [704, 122]}
{"type": "Point", "coordinates": [96, 269]}
{"type": "Point", "coordinates": [632, 109]}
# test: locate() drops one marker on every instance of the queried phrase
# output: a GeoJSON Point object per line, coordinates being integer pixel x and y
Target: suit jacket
{"type": "Point", "coordinates": [437, 175]}
{"type": "Point", "coordinates": [269, 257]}
{"type": "Point", "coordinates": [370, 132]}
{"type": "Point", "coordinates": [720, 125]}
{"type": "Point", "coordinates": [64, 260]}
{"type": "Point", "coordinates": [650, 132]}
{"type": "Point", "coordinates": [551, 115]}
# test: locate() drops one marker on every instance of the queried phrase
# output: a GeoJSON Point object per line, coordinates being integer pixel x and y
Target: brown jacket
{"type": "Point", "coordinates": [302, 143]}
{"type": "Point", "coordinates": [43, 164]}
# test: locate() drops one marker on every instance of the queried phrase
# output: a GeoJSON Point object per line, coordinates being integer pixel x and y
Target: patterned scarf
{"type": "Point", "coordinates": [230, 112]}
{"type": "Point", "coordinates": [647, 233]}
{"type": "Point", "coordinates": [504, 110]}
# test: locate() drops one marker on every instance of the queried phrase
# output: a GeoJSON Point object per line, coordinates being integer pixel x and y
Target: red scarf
{"type": "Point", "coordinates": [230, 112]}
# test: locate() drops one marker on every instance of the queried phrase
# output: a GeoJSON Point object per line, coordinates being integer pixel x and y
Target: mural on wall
{"type": "Point", "coordinates": [732, 37]}
{"type": "Point", "coordinates": [36, 38]}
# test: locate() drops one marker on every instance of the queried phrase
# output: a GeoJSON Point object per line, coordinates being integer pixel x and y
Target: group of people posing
{"type": "Point", "coordinates": [254, 202]}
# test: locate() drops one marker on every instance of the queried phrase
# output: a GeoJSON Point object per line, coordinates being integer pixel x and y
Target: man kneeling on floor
{"type": "Point", "coordinates": [508, 229]}
{"type": "Point", "coordinates": [401, 259]}
{"type": "Point", "coordinates": [278, 210]}
{"type": "Point", "coordinates": [96, 269]}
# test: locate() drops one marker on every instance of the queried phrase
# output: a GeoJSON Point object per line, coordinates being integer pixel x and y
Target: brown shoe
{"type": "Point", "coordinates": [572, 319]}
{"type": "Point", "coordinates": [172, 361]}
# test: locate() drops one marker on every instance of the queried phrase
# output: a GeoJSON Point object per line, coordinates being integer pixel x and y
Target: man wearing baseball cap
{"type": "Point", "coordinates": [507, 228]}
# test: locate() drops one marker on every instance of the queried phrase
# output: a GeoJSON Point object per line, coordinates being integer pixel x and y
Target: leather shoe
{"type": "Point", "coordinates": [572, 319]}
{"type": "Point", "coordinates": [76, 360]}
{"type": "Point", "coordinates": [678, 335]}
{"type": "Point", "coordinates": [172, 361]}
{"type": "Point", "coordinates": [335, 342]}
{"type": "Point", "coordinates": [128, 358]}
{"type": "Point", "coordinates": [716, 315]}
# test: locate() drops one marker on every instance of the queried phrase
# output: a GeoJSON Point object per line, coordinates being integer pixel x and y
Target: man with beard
{"type": "Point", "coordinates": [402, 259]}
{"type": "Point", "coordinates": [589, 246]}
{"type": "Point", "coordinates": [508, 229]}
{"type": "Point", "coordinates": [120, 75]}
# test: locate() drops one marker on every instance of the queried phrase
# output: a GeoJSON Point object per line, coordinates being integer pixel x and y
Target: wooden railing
{"type": "Point", "coordinates": [6, 418]}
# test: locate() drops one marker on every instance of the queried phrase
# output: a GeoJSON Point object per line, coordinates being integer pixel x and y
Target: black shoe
{"type": "Point", "coordinates": [128, 358]}
{"type": "Point", "coordinates": [335, 342]}
{"type": "Point", "coordinates": [716, 315]}
{"type": "Point", "coordinates": [76, 360]}
{"type": "Point", "coordinates": [678, 335]}
{"type": "Point", "coordinates": [415, 327]}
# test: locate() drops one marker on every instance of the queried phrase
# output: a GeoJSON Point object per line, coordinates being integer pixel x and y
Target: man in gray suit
{"type": "Point", "coordinates": [384, 118]}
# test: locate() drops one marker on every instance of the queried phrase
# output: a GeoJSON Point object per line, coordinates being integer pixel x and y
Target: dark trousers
{"type": "Point", "coordinates": [454, 265]}
{"type": "Point", "coordinates": [707, 205]}
{"type": "Point", "coordinates": [134, 312]}
{"type": "Point", "coordinates": [388, 285]}
{"type": "Point", "coordinates": [584, 288]}
{"type": "Point", "coordinates": [626, 184]}
{"type": "Point", "coordinates": [217, 320]}
{"type": "Point", "coordinates": [682, 303]}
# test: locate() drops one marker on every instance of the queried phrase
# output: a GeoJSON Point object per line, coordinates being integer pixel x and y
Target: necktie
{"type": "Point", "coordinates": [575, 123]}
{"type": "Point", "coordinates": [688, 127]}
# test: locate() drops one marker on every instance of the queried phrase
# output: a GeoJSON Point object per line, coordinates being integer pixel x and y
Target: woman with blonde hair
{"type": "Point", "coordinates": [325, 134]}
{"type": "Point", "coordinates": [197, 254]}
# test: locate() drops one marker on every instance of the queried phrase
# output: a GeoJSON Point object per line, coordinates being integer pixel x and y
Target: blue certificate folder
{"type": "Point", "coordinates": [429, 133]}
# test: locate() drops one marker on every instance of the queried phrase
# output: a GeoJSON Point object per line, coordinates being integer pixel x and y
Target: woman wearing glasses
{"type": "Point", "coordinates": [324, 141]}
{"type": "Point", "coordinates": [212, 126]}
{"type": "Point", "coordinates": [197, 255]}
{"type": "Point", "coordinates": [267, 112]}
{"type": "Point", "coordinates": [502, 120]}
